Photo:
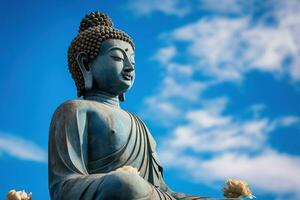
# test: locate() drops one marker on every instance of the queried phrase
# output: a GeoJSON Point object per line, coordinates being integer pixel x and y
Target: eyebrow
{"type": "Point", "coordinates": [118, 48]}
{"type": "Point", "coordinates": [113, 48]}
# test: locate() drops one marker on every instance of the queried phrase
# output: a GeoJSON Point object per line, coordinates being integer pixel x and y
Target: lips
{"type": "Point", "coordinates": [127, 76]}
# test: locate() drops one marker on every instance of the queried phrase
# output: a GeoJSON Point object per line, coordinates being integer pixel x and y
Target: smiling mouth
{"type": "Point", "coordinates": [127, 76]}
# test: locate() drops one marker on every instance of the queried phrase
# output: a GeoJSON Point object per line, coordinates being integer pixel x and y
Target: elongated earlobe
{"type": "Point", "coordinates": [122, 97]}
{"type": "Point", "coordinates": [82, 62]}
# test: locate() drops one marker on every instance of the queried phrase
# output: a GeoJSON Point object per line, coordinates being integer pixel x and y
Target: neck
{"type": "Point", "coordinates": [102, 97]}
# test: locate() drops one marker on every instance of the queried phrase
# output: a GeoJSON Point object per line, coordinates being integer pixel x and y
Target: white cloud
{"type": "Point", "coordinates": [167, 103]}
{"type": "Point", "coordinates": [183, 89]}
{"type": "Point", "coordinates": [164, 55]}
{"type": "Point", "coordinates": [289, 120]}
{"type": "Point", "coordinates": [169, 7]}
{"type": "Point", "coordinates": [268, 167]}
{"type": "Point", "coordinates": [205, 119]}
{"type": "Point", "coordinates": [270, 171]}
{"type": "Point", "coordinates": [22, 148]}
{"type": "Point", "coordinates": [221, 48]}
{"type": "Point", "coordinates": [183, 7]}
{"type": "Point", "coordinates": [209, 115]}
{"type": "Point", "coordinates": [164, 111]}
{"type": "Point", "coordinates": [227, 48]}
{"type": "Point", "coordinates": [286, 121]}
{"type": "Point", "coordinates": [238, 147]}
{"type": "Point", "coordinates": [256, 109]}
{"type": "Point", "coordinates": [208, 130]}
{"type": "Point", "coordinates": [225, 6]}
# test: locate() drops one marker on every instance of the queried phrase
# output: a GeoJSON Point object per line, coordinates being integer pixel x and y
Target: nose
{"type": "Point", "coordinates": [128, 66]}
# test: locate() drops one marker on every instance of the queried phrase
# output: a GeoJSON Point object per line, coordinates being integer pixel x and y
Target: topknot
{"type": "Point", "coordinates": [94, 19]}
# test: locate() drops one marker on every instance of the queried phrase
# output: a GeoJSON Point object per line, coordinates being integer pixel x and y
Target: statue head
{"type": "Point", "coordinates": [101, 57]}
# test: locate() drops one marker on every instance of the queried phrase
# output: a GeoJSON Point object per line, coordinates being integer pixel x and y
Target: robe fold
{"type": "Point", "coordinates": [73, 176]}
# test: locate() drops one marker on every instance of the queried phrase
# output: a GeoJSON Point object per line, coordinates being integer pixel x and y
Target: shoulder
{"type": "Point", "coordinates": [68, 112]}
{"type": "Point", "coordinates": [71, 105]}
{"type": "Point", "coordinates": [70, 108]}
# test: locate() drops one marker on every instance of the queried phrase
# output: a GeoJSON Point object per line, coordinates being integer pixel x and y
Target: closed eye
{"type": "Point", "coordinates": [117, 58]}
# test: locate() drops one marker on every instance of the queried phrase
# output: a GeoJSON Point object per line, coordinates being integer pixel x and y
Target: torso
{"type": "Point", "coordinates": [108, 128]}
{"type": "Point", "coordinates": [115, 138]}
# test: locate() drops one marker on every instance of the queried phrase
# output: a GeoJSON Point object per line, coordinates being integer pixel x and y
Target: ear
{"type": "Point", "coordinates": [83, 64]}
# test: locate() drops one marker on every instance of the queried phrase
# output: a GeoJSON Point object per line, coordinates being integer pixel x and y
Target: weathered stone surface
{"type": "Point", "coordinates": [96, 149]}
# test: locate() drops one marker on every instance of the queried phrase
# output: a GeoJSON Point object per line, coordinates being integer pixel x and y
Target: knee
{"type": "Point", "coordinates": [124, 185]}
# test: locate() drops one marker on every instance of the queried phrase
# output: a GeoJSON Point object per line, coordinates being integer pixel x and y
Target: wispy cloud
{"type": "Point", "coordinates": [267, 172]}
{"type": "Point", "coordinates": [167, 103]}
{"type": "Point", "coordinates": [169, 7]}
{"type": "Point", "coordinates": [165, 57]}
{"type": "Point", "coordinates": [212, 131]}
{"type": "Point", "coordinates": [182, 8]}
{"type": "Point", "coordinates": [238, 147]}
{"type": "Point", "coordinates": [21, 148]}
{"type": "Point", "coordinates": [238, 7]}
{"type": "Point", "coordinates": [225, 47]}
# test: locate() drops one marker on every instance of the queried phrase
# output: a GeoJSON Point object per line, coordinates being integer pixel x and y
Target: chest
{"type": "Point", "coordinates": [108, 131]}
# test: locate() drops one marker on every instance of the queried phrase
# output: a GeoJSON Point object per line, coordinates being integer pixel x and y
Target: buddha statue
{"type": "Point", "coordinates": [97, 150]}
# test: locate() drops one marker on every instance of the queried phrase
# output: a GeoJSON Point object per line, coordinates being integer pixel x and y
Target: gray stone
{"type": "Point", "coordinates": [97, 150]}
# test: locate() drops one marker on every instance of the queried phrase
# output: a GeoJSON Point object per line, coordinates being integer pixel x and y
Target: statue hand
{"type": "Point", "coordinates": [129, 169]}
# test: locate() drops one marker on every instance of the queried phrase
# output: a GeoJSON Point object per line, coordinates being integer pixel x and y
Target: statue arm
{"type": "Point", "coordinates": [156, 163]}
{"type": "Point", "coordinates": [68, 174]}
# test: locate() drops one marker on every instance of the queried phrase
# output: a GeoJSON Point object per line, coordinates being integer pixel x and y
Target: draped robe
{"type": "Point", "coordinates": [73, 175]}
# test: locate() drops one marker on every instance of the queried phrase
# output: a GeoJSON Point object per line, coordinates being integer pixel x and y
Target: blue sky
{"type": "Point", "coordinates": [217, 85]}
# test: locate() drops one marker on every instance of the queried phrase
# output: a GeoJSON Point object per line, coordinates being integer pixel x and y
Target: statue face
{"type": "Point", "coordinates": [113, 69]}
